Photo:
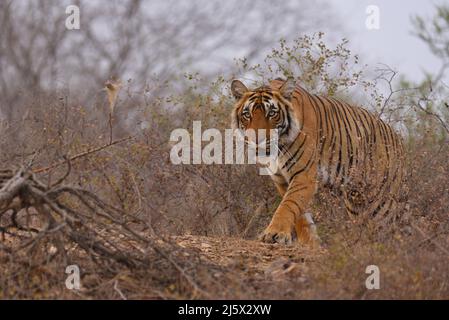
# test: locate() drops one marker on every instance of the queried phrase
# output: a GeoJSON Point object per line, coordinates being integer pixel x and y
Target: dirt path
{"type": "Point", "coordinates": [253, 258]}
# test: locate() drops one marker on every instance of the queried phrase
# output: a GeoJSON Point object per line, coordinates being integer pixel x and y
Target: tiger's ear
{"type": "Point", "coordinates": [277, 83]}
{"type": "Point", "coordinates": [238, 89]}
{"type": "Point", "coordinates": [288, 87]}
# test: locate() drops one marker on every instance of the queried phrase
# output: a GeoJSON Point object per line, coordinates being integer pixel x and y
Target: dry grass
{"type": "Point", "coordinates": [190, 222]}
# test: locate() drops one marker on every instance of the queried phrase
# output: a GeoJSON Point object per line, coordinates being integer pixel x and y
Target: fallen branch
{"type": "Point", "coordinates": [67, 217]}
{"type": "Point", "coordinates": [80, 155]}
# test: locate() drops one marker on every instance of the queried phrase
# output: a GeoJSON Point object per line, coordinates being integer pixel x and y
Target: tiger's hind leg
{"type": "Point", "coordinates": [355, 202]}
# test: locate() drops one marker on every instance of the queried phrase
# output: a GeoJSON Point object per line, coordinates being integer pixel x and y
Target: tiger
{"type": "Point", "coordinates": [322, 142]}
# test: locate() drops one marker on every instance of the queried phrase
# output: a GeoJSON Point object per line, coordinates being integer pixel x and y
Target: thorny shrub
{"type": "Point", "coordinates": [137, 177]}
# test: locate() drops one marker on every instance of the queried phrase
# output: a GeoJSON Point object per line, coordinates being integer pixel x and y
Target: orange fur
{"type": "Point", "coordinates": [321, 140]}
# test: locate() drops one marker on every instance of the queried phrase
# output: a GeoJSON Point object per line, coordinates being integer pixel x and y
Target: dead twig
{"type": "Point", "coordinates": [68, 216]}
{"type": "Point", "coordinates": [80, 155]}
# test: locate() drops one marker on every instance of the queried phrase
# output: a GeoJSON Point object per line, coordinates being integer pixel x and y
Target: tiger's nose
{"type": "Point", "coordinates": [259, 118]}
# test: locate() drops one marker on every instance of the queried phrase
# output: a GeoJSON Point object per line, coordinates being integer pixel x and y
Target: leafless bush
{"type": "Point", "coordinates": [114, 212]}
{"type": "Point", "coordinates": [135, 40]}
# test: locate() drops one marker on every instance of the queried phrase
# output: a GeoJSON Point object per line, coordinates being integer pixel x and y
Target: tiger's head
{"type": "Point", "coordinates": [265, 108]}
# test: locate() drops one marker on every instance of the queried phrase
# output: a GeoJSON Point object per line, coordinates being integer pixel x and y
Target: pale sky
{"type": "Point", "coordinates": [394, 43]}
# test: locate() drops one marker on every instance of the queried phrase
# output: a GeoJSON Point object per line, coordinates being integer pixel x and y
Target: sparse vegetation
{"type": "Point", "coordinates": [140, 227]}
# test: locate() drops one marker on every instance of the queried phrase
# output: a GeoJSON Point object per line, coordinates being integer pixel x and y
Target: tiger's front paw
{"type": "Point", "coordinates": [282, 234]}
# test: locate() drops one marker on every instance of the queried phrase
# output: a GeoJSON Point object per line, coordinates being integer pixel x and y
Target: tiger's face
{"type": "Point", "coordinates": [263, 109]}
